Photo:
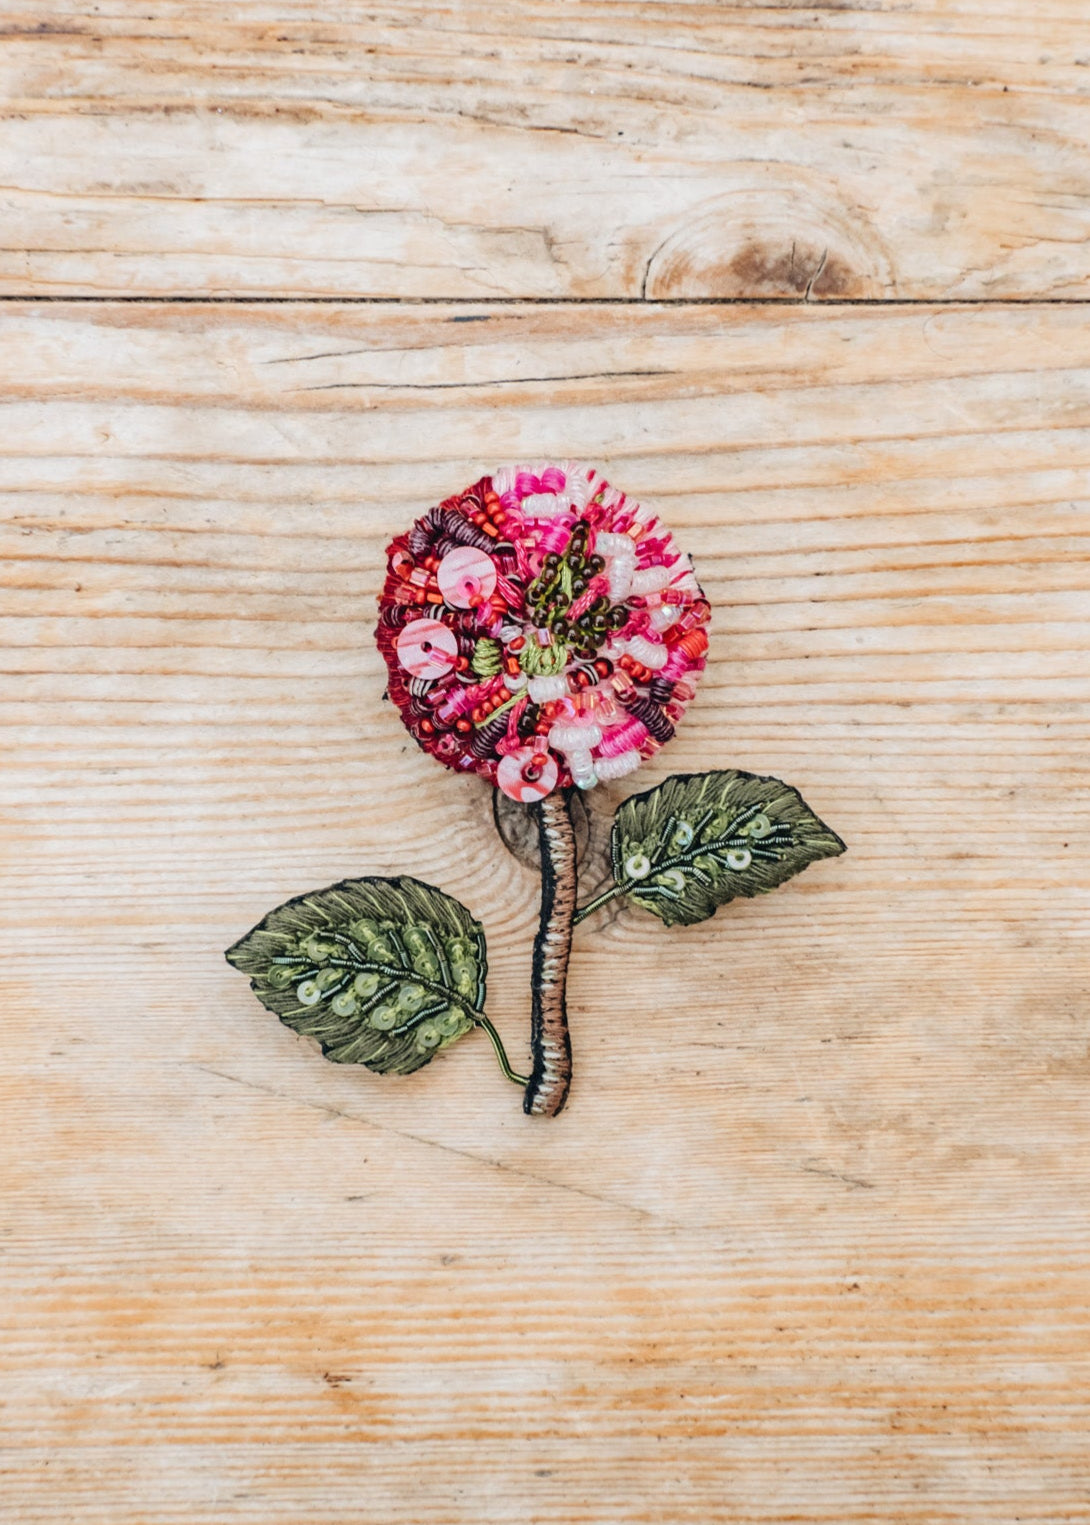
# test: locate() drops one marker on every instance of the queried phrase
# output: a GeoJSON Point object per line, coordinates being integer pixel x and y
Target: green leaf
{"type": "Point", "coordinates": [383, 972]}
{"type": "Point", "coordinates": [698, 840]}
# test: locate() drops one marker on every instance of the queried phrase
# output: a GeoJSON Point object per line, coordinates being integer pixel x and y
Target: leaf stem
{"type": "Point", "coordinates": [598, 902]}
{"type": "Point", "coordinates": [501, 1053]}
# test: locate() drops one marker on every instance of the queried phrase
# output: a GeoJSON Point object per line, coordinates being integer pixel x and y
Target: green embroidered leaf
{"type": "Point", "coordinates": [383, 972]}
{"type": "Point", "coordinates": [698, 840]}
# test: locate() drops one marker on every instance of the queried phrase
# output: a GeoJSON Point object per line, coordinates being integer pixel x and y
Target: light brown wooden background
{"type": "Point", "coordinates": [810, 1242]}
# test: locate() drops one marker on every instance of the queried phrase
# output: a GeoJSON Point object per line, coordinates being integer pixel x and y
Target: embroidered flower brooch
{"type": "Point", "coordinates": [544, 631]}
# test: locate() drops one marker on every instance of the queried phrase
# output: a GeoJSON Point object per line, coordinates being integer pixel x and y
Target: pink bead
{"type": "Point", "coordinates": [511, 775]}
{"type": "Point", "coordinates": [466, 576]}
{"type": "Point", "coordinates": [622, 738]}
{"type": "Point", "coordinates": [427, 649]}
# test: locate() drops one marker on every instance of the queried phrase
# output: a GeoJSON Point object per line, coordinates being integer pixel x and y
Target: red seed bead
{"type": "Point", "coordinates": [462, 664]}
{"type": "Point", "coordinates": [433, 598]}
{"type": "Point", "coordinates": [432, 563]}
{"type": "Point", "coordinates": [603, 667]}
{"type": "Point", "coordinates": [426, 728]}
{"type": "Point", "coordinates": [489, 529]}
{"type": "Point", "coordinates": [463, 726]}
{"type": "Point", "coordinates": [694, 644]}
{"type": "Point", "coordinates": [636, 670]}
{"type": "Point", "coordinates": [512, 666]}
{"type": "Point", "coordinates": [517, 644]}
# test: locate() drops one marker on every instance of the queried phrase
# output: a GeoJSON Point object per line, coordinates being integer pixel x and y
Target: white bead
{"type": "Point", "coordinates": [574, 738]}
{"type": "Point", "coordinates": [577, 483]}
{"type": "Point", "coordinates": [620, 580]}
{"type": "Point", "coordinates": [650, 580]}
{"type": "Point", "coordinates": [758, 828]}
{"type": "Point", "coordinates": [544, 505]}
{"type": "Point", "coordinates": [542, 690]}
{"type": "Point", "coordinates": [609, 768]}
{"type": "Point", "coordinates": [739, 858]}
{"type": "Point", "coordinates": [651, 654]}
{"type": "Point", "coordinates": [582, 771]}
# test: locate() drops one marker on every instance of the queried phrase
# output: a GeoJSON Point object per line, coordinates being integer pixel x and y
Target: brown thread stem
{"type": "Point", "coordinates": [550, 1042]}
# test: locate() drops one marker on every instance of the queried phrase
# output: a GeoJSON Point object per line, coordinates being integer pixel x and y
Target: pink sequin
{"type": "Point", "coordinates": [466, 577]}
{"type": "Point", "coordinates": [511, 775]}
{"type": "Point", "coordinates": [427, 648]}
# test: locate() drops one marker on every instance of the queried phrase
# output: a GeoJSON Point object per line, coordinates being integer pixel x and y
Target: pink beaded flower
{"type": "Point", "coordinates": [541, 629]}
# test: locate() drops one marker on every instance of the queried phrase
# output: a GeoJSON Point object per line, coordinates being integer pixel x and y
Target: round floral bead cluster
{"type": "Point", "coordinates": [541, 629]}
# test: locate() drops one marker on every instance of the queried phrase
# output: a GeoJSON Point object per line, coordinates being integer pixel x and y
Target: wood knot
{"type": "Point", "coordinates": [786, 242]}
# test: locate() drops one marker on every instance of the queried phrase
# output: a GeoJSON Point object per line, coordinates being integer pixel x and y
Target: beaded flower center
{"type": "Point", "coordinates": [541, 629]}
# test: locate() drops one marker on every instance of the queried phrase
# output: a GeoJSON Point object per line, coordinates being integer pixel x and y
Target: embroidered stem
{"type": "Point", "coordinates": [501, 1053]}
{"type": "Point", "coordinates": [549, 1040]}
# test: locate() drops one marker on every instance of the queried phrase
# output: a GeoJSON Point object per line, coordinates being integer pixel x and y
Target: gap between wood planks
{"type": "Point", "coordinates": [342, 301]}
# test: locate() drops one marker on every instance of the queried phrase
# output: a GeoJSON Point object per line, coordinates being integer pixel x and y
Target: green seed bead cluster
{"type": "Point", "coordinates": [465, 971]}
{"type": "Point", "coordinates": [487, 658]}
{"type": "Point", "coordinates": [421, 950]}
{"type": "Point", "coordinates": [562, 581]}
{"type": "Point", "coordinates": [320, 968]}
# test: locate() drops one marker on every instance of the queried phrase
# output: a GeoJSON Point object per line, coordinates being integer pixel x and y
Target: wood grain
{"type": "Point", "coordinates": [928, 149]}
{"type": "Point", "coordinates": [810, 1241]}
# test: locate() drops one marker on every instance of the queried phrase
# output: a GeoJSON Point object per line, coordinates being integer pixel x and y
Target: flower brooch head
{"type": "Point", "coordinates": [541, 629]}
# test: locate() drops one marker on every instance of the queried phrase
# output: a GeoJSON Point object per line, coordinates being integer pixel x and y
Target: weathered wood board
{"type": "Point", "coordinates": [873, 149]}
{"type": "Point", "coordinates": [810, 1242]}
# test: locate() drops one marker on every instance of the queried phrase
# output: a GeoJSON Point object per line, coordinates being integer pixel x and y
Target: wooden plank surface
{"type": "Point", "coordinates": [810, 1242]}
{"type": "Point", "coordinates": [930, 149]}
